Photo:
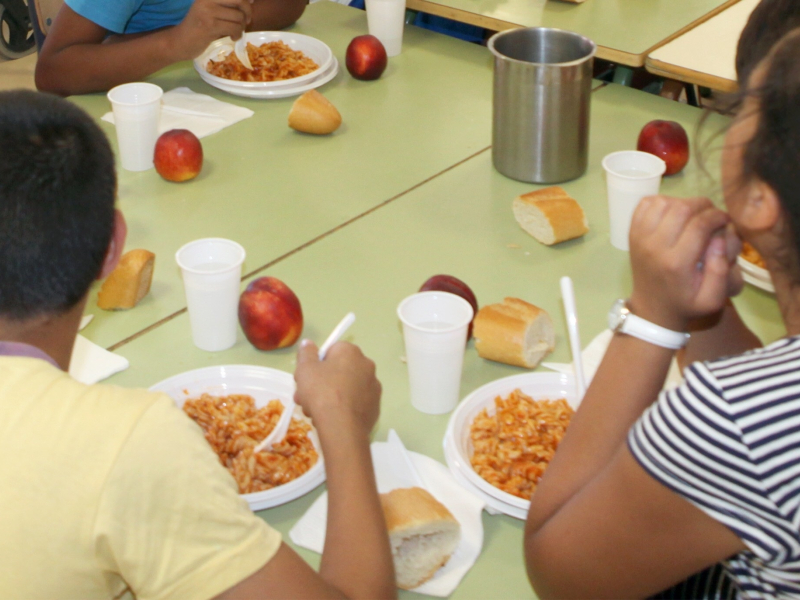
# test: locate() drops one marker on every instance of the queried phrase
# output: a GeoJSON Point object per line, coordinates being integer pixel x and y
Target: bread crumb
{"type": "Point", "coordinates": [403, 359]}
{"type": "Point", "coordinates": [513, 246]}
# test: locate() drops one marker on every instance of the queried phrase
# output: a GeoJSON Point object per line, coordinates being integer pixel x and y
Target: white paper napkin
{"type": "Point", "coordinates": [593, 356]}
{"type": "Point", "coordinates": [391, 472]}
{"type": "Point", "coordinates": [203, 115]}
{"type": "Point", "coordinates": [90, 363]}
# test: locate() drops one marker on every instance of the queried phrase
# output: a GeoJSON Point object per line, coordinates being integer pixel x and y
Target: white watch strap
{"type": "Point", "coordinates": [655, 334]}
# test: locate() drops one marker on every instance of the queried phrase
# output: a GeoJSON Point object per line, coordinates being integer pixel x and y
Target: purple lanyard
{"type": "Point", "coordinates": [25, 350]}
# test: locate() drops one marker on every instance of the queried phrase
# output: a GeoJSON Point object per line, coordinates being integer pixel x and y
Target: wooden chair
{"type": "Point", "coordinates": [43, 13]}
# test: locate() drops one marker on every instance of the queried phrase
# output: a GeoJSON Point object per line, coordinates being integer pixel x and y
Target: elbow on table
{"type": "Point", "coordinates": [533, 562]}
{"type": "Point", "coordinates": [48, 79]}
{"type": "Point", "coordinates": [545, 574]}
{"type": "Point", "coordinates": [290, 12]}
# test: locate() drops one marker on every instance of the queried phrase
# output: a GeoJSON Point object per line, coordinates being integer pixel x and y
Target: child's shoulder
{"type": "Point", "coordinates": [773, 369]}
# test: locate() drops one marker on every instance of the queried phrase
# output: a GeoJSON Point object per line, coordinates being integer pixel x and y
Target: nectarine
{"type": "Point", "coordinates": [270, 314]}
{"type": "Point", "coordinates": [178, 155]}
{"type": "Point", "coordinates": [366, 57]}
{"type": "Point", "coordinates": [452, 285]}
{"type": "Point", "coordinates": [668, 141]}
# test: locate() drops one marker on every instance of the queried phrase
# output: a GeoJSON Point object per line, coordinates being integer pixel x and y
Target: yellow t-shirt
{"type": "Point", "coordinates": [104, 489]}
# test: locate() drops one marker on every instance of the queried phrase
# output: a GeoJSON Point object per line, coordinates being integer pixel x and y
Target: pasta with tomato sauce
{"type": "Point", "coordinates": [513, 447]}
{"type": "Point", "coordinates": [233, 426]}
{"type": "Point", "coordinates": [272, 61]}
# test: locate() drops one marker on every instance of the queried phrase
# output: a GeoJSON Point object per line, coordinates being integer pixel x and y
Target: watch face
{"type": "Point", "coordinates": [616, 316]}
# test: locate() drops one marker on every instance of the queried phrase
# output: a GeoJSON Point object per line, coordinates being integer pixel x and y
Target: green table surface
{"type": "Point", "coordinates": [273, 189]}
{"type": "Point", "coordinates": [459, 223]}
{"type": "Point", "coordinates": [624, 30]}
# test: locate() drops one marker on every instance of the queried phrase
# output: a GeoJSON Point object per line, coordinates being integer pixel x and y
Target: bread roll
{"type": "Point", "coordinates": [129, 282]}
{"type": "Point", "coordinates": [514, 332]}
{"type": "Point", "coordinates": [422, 532]}
{"type": "Point", "coordinates": [313, 113]}
{"type": "Point", "coordinates": [550, 215]}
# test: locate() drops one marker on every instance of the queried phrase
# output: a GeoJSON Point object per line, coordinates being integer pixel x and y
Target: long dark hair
{"type": "Point", "coordinates": [773, 153]}
{"type": "Point", "coordinates": [769, 22]}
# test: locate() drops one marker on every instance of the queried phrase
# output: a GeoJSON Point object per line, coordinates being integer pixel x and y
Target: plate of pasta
{"type": "Point", "coordinates": [237, 406]}
{"type": "Point", "coordinates": [284, 64]}
{"type": "Point", "coordinates": [502, 436]}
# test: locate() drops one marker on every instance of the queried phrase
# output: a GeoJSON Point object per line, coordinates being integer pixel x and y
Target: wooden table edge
{"type": "Point", "coordinates": [463, 16]}
{"type": "Point", "coordinates": [670, 71]}
{"type": "Point", "coordinates": [617, 56]}
{"type": "Point", "coordinates": [713, 13]}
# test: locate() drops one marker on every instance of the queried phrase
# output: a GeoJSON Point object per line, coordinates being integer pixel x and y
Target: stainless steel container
{"type": "Point", "coordinates": [542, 88]}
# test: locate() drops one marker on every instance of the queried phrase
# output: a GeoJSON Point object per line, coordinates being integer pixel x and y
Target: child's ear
{"type": "Point", "coordinates": [761, 210]}
{"type": "Point", "coordinates": [116, 246]}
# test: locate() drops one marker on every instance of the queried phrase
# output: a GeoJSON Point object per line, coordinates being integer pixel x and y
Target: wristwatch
{"type": "Point", "coordinates": [622, 320]}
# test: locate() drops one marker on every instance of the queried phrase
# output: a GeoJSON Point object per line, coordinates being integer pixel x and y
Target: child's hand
{"type": "Point", "coordinates": [209, 20]}
{"type": "Point", "coordinates": [341, 393]}
{"type": "Point", "coordinates": [683, 256]}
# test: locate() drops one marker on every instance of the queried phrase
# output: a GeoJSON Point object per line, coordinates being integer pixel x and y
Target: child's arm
{"type": "Point", "coordinates": [77, 59]}
{"type": "Point", "coordinates": [599, 525]}
{"type": "Point", "coordinates": [269, 15]}
{"type": "Point", "coordinates": [342, 396]}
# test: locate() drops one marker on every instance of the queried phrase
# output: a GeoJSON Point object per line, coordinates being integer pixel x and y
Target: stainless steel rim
{"type": "Point", "coordinates": [492, 40]}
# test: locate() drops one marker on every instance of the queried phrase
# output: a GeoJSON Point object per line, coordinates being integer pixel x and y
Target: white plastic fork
{"type": "Point", "coordinates": [240, 48]}
{"type": "Point", "coordinates": [276, 435]}
{"type": "Point", "coordinates": [568, 295]}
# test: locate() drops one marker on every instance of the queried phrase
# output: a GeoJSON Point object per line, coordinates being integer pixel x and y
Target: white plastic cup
{"type": "Point", "coordinates": [137, 109]}
{"type": "Point", "coordinates": [630, 176]}
{"type": "Point", "coordinates": [212, 276]}
{"type": "Point", "coordinates": [435, 333]}
{"type": "Point", "coordinates": [385, 20]}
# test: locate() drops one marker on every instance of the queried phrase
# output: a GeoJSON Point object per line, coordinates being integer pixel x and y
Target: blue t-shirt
{"type": "Point", "coordinates": [131, 16]}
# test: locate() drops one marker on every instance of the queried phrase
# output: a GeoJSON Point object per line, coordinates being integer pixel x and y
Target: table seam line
{"type": "Point", "coordinates": [305, 245]}
{"type": "Point", "coordinates": [363, 214]}
{"type": "Point", "coordinates": [147, 329]}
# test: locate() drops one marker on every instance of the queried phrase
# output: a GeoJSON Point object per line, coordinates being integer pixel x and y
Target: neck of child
{"type": "Point", "coordinates": [53, 334]}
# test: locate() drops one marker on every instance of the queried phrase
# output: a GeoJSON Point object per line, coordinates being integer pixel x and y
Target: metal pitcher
{"type": "Point", "coordinates": [542, 89]}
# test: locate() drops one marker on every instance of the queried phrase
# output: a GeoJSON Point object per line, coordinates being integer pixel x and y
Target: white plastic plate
{"type": "Point", "coordinates": [458, 444]}
{"type": "Point", "coordinates": [315, 49]}
{"type": "Point", "coordinates": [263, 384]}
{"type": "Point", "coordinates": [285, 91]}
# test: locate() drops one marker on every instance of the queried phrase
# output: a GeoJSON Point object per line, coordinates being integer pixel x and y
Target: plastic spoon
{"type": "Point", "coordinates": [568, 295]}
{"type": "Point", "coordinates": [276, 435]}
{"type": "Point", "coordinates": [240, 49]}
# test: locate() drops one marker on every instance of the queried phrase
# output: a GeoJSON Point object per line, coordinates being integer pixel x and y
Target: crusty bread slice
{"type": "Point", "coordinates": [313, 113]}
{"type": "Point", "coordinates": [129, 282]}
{"type": "Point", "coordinates": [514, 332]}
{"type": "Point", "coordinates": [422, 532]}
{"type": "Point", "coordinates": [550, 215]}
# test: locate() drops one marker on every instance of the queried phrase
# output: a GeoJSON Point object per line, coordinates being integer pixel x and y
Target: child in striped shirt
{"type": "Point", "coordinates": [648, 488]}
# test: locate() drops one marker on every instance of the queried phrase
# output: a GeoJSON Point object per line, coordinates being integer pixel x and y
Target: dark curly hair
{"type": "Point", "coordinates": [57, 191]}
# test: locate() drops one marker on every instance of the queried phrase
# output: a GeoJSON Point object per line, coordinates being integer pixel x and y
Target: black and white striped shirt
{"type": "Point", "coordinates": [728, 441]}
